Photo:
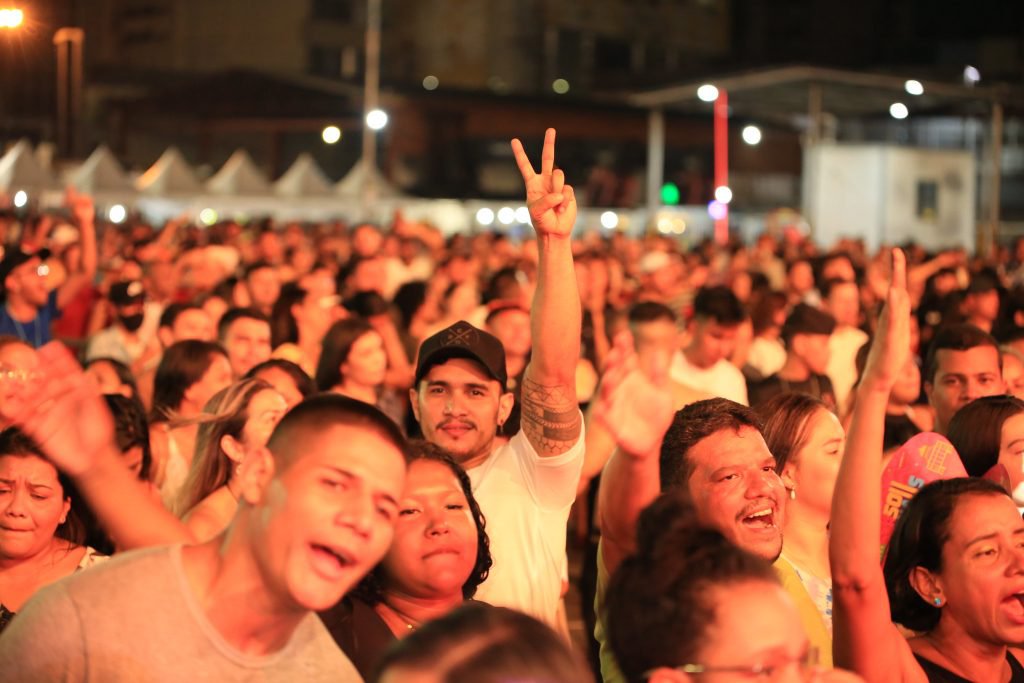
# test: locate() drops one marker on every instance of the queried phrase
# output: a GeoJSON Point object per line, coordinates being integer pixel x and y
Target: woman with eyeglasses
{"type": "Point", "coordinates": [954, 570]}
{"type": "Point", "coordinates": [689, 603]}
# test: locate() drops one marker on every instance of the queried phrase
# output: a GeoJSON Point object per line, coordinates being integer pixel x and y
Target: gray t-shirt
{"type": "Point", "coordinates": [135, 619]}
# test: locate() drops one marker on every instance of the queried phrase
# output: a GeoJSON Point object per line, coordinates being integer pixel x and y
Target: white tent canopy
{"type": "Point", "coordinates": [352, 184]}
{"type": "Point", "coordinates": [20, 170]}
{"type": "Point", "coordinates": [171, 174]}
{"type": "Point", "coordinates": [303, 179]}
{"type": "Point", "coordinates": [238, 176]}
{"type": "Point", "coordinates": [101, 172]}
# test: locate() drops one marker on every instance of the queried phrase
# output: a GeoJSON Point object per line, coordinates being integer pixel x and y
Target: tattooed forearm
{"type": "Point", "coordinates": [550, 417]}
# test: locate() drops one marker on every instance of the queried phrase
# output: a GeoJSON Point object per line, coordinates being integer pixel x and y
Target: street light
{"type": "Point", "coordinates": [11, 18]}
{"type": "Point", "coordinates": [376, 119]}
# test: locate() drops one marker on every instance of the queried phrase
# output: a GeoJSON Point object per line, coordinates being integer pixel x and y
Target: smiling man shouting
{"type": "Point", "coordinates": [317, 509]}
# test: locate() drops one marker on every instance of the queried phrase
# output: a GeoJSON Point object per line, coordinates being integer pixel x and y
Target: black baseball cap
{"type": "Point", "coordinates": [15, 256]}
{"type": "Point", "coordinates": [462, 340]}
{"type": "Point", "coordinates": [126, 293]}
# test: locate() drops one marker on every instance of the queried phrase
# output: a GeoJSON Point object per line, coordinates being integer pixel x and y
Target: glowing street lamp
{"type": "Point", "coordinates": [11, 18]}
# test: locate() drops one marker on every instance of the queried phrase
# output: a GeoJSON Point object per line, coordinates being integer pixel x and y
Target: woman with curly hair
{"type": "Point", "coordinates": [439, 555]}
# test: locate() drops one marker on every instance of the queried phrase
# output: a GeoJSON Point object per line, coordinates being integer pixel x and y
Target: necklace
{"type": "Point", "coordinates": [405, 622]}
{"type": "Point", "coordinates": [21, 330]}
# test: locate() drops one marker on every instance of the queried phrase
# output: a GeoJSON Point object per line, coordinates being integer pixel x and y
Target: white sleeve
{"type": "Point", "coordinates": [552, 481]}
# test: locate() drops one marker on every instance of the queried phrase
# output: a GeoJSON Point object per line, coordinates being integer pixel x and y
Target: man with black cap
{"type": "Point", "coordinates": [28, 306]}
{"type": "Point", "coordinates": [127, 340]}
{"type": "Point", "coordinates": [805, 334]}
{"type": "Point", "coordinates": [461, 399]}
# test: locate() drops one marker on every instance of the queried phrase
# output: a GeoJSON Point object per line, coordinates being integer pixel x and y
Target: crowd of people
{"type": "Point", "coordinates": [361, 452]}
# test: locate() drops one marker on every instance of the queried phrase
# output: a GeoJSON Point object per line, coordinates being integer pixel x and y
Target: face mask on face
{"type": "Point", "coordinates": [131, 322]}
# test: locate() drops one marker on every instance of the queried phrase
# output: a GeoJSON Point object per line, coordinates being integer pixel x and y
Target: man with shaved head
{"type": "Point", "coordinates": [314, 517]}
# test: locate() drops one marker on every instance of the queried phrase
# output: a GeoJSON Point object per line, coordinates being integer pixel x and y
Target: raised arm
{"type": "Point", "coordinates": [84, 212]}
{"type": "Point", "coordinates": [865, 640]}
{"type": "Point", "coordinates": [550, 413]}
{"type": "Point", "coordinates": [635, 407]}
{"type": "Point", "coordinates": [65, 414]}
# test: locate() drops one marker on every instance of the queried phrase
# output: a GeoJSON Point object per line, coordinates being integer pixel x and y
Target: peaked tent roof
{"type": "Point", "coordinates": [303, 179]}
{"type": "Point", "coordinates": [20, 170]}
{"type": "Point", "coordinates": [352, 184]}
{"type": "Point", "coordinates": [101, 172]}
{"type": "Point", "coordinates": [171, 174]}
{"type": "Point", "coordinates": [238, 176]}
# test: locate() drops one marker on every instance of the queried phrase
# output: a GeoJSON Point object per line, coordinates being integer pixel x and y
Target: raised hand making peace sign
{"type": "Point", "coordinates": [552, 203]}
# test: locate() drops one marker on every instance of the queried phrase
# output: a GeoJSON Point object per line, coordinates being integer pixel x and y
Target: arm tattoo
{"type": "Point", "coordinates": [550, 417]}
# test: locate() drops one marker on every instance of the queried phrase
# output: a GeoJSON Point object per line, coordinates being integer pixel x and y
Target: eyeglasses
{"type": "Point", "coordinates": [11, 374]}
{"type": "Point", "coordinates": [807, 665]}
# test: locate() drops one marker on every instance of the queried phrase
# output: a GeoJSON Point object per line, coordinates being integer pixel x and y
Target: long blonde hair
{"type": "Point", "coordinates": [224, 415]}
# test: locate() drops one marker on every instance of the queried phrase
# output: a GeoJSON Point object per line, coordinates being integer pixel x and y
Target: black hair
{"type": "Point", "coordinates": [171, 313]}
{"type": "Point", "coordinates": [830, 284]}
{"type": "Point", "coordinates": [323, 411]}
{"type": "Point", "coordinates": [371, 590]}
{"type": "Point", "coordinates": [123, 372]}
{"type": "Point", "coordinates": [336, 346]}
{"type": "Point", "coordinates": [957, 338]}
{"type": "Point", "coordinates": [283, 327]}
{"type": "Point", "coordinates": [367, 304]}
{"type": "Point", "coordinates": [257, 265]}
{"type": "Point", "coordinates": [477, 643]}
{"type": "Point", "coordinates": [660, 603]}
{"type": "Point", "coordinates": [693, 424]}
{"type": "Point", "coordinates": [409, 299]}
{"type": "Point", "coordinates": [720, 304]}
{"type": "Point", "coordinates": [917, 541]}
{"type": "Point", "coordinates": [976, 431]}
{"type": "Point", "coordinates": [183, 364]}
{"type": "Point", "coordinates": [303, 382]}
{"type": "Point", "coordinates": [15, 442]}
{"type": "Point", "coordinates": [130, 428]}
{"type": "Point", "coordinates": [233, 314]}
{"type": "Point", "coordinates": [785, 419]}
{"type": "Point", "coordinates": [650, 311]}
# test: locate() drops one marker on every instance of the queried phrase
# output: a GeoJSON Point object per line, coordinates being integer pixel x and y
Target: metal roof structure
{"type": "Point", "coordinates": [801, 96]}
{"type": "Point", "coordinates": [784, 91]}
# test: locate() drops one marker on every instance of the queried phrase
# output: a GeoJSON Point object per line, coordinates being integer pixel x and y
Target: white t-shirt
{"type": "Point", "coordinates": [722, 379]}
{"type": "Point", "coordinates": [843, 346]}
{"type": "Point", "coordinates": [526, 499]}
{"type": "Point", "coordinates": [766, 356]}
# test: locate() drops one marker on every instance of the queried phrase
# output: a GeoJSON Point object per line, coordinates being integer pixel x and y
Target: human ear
{"type": "Point", "coordinates": [414, 401]}
{"type": "Point", "coordinates": [256, 472]}
{"type": "Point", "coordinates": [232, 448]}
{"type": "Point", "coordinates": [927, 585]}
{"type": "Point", "coordinates": [505, 405]}
{"type": "Point", "coordinates": [787, 476]}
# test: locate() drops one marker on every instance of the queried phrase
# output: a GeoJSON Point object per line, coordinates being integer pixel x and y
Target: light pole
{"type": "Point", "coordinates": [371, 95]}
{"type": "Point", "coordinates": [68, 42]}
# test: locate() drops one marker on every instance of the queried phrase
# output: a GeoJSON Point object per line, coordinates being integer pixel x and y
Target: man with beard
{"type": "Point", "coordinates": [714, 451]}
{"type": "Point", "coordinates": [461, 399]}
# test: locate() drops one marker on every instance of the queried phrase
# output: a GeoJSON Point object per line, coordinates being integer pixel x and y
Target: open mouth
{"type": "Point", "coordinates": [1014, 607]}
{"type": "Point", "coordinates": [331, 561]}
{"type": "Point", "coordinates": [760, 519]}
